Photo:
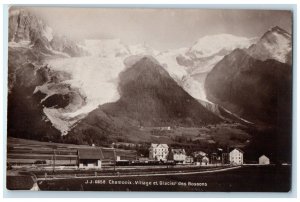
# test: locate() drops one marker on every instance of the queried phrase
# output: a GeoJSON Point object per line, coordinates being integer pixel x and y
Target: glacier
{"type": "Point", "coordinates": [96, 74]}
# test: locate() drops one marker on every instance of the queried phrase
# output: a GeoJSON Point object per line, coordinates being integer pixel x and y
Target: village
{"type": "Point", "coordinates": [162, 154]}
{"type": "Point", "coordinates": [34, 155]}
{"type": "Point", "coordinates": [30, 161]}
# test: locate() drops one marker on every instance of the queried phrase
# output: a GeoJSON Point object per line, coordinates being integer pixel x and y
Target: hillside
{"type": "Point", "coordinates": [258, 91]}
{"type": "Point", "coordinates": [148, 97]}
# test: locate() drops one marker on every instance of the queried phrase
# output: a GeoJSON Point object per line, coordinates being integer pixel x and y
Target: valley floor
{"type": "Point", "coordinates": [240, 179]}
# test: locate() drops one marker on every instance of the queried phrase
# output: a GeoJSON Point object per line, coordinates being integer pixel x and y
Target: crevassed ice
{"type": "Point", "coordinates": [97, 77]}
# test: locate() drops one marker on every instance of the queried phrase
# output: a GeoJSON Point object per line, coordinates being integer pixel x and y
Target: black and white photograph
{"type": "Point", "coordinates": [149, 99]}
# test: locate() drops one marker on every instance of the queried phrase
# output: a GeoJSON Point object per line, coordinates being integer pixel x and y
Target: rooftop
{"type": "Point", "coordinates": [178, 151]}
{"type": "Point", "coordinates": [159, 145]}
{"type": "Point", "coordinates": [236, 149]}
{"type": "Point", "coordinates": [92, 153]}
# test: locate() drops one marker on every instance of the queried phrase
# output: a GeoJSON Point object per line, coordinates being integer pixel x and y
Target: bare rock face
{"type": "Point", "coordinates": [255, 83]}
{"type": "Point", "coordinates": [258, 91]}
{"type": "Point", "coordinates": [38, 101]}
{"type": "Point", "coordinates": [25, 26]}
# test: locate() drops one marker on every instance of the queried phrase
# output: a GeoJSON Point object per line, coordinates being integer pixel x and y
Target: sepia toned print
{"type": "Point", "coordinates": [139, 99]}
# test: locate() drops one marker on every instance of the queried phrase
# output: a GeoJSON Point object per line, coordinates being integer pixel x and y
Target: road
{"type": "Point", "coordinates": [173, 173]}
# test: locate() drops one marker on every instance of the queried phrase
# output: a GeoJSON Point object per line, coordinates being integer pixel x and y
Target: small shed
{"type": "Point", "coordinates": [263, 160]}
{"type": "Point", "coordinates": [90, 158]}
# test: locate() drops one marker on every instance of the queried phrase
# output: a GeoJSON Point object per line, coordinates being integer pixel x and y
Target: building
{"type": "Point", "coordinates": [236, 156]}
{"type": "Point", "coordinates": [178, 155]}
{"type": "Point", "coordinates": [158, 152]}
{"type": "Point", "coordinates": [189, 159]}
{"type": "Point", "coordinates": [214, 159]}
{"type": "Point", "coordinates": [204, 161]}
{"type": "Point", "coordinates": [90, 158]}
{"type": "Point", "coordinates": [199, 153]}
{"type": "Point", "coordinates": [225, 158]}
{"type": "Point", "coordinates": [263, 160]}
{"type": "Point", "coordinates": [201, 158]}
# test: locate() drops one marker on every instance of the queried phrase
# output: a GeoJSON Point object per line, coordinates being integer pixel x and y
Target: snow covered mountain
{"type": "Point", "coordinates": [142, 49]}
{"type": "Point", "coordinates": [217, 44]}
{"type": "Point", "coordinates": [86, 74]}
{"type": "Point", "coordinates": [109, 57]}
{"type": "Point", "coordinates": [25, 26]}
{"type": "Point", "coordinates": [262, 71]}
{"type": "Point", "coordinates": [275, 44]}
{"type": "Point", "coordinates": [189, 66]}
{"type": "Point", "coordinates": [105, 48]}
{"type": "Point", "coordinates": [27, 29]}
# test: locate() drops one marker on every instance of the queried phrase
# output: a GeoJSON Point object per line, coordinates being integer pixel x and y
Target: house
{"type": "Point", "coordinates": [225, 158]}
{"type": "Point", "coordinates": [204, 161]}
{"type": "Point", "coordinates": [214, 158]}
{"type": "Point", "coordinates": [158, 152]}
{"type": "Point", "coordinates": [263, 160]}
{"type": "Point", "coordinates": [178, 155]}
{"type": "Point", "coordinates": [90, 158]}
{"type": "Point", "coordinates": [236, 157]}
{"type": "Point", "coordinates": [201, 158]}
{"type": "Point", "coordinates": [199, 153]}
{"type": "Point", "coordinates": [189, 159]}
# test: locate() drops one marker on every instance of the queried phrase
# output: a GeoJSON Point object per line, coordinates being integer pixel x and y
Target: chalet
{"type": "Point", "coordinates": [205, 161]}
{"type": "Point", "coordinates": [189, 159]}
{"type": "Point", "coordinates": [90, 158]}
{"type": "Point", "coordinates": [263, 160]}
{"type": "Point", "coordinates": [236, 157]}
{"type": "Point", "coordinates": [199, 153]}
{"type": "Point", "coordinates": [178, 155]}
{"type": "Point", "coordinates": [202, 158]}
{"type": "Point", "coordinates": [158, 152]}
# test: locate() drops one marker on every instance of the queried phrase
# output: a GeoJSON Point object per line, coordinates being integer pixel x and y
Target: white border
{"type": "Point", "coordinates": [161, 2]}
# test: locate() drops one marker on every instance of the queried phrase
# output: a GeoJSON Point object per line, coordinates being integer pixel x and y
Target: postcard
{"type": "Point", "coordinates": [149, 99]}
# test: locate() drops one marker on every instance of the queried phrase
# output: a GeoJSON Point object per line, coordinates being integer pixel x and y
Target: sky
{"type": "Point", "coordinates": [162, 29]}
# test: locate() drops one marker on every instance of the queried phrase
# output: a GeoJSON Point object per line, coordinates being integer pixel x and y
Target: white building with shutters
{"type": "Point", "coordinates": [236, 157]}
{"type": "Point", "coordinates": [158, 152]}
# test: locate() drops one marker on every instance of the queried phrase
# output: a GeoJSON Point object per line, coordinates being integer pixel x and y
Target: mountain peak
{"type": "Point", "coordinates": [149, 59]}
{"type": "Point", "coordinates": [280, 31]}
{"type": "Point", "coordinates": [148, 65]}
{"type": "Point", "coordinates": [276, 32]}
{"type": "Point", "coordinates": [274, 44]}
{"type": "Point", "coordinates": [150, 95]}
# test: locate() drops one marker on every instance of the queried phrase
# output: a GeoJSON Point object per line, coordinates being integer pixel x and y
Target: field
{"type": "Point", "coordinates": [245, 179]}
{"type": "Point", "coordinates": [223, 134]}
{"type": "Point", "coordinates": [27, 152]}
